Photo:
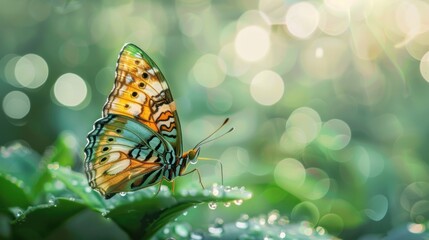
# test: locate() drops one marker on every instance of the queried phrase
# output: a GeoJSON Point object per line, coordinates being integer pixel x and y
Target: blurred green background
{"type": "Point", "coordinates": [327, 98]}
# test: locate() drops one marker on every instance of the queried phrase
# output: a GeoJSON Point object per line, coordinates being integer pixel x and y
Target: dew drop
{"type": "Point", "coordinates": [206, 192]}
{"type": "Point", "coordinates": [51, 201]}
{"type": "Point", "coordinates": [238, 202]}
{"type": "Point", "coordinates": [192, 192]}
{"type": "Point", "coordinates": [123, 194]}
{"type": "Point", "coordinates": [416, 228]}
{"type": "Point", "coordinates": [273, 216]}
{"type": "Point", "coordinates": [243, 222]}
{"type": "Point", "coordinates": [185, 213]}
{"type": "Point", "coordinates": [215, 191]}
{"type": "Point", "coordinates": [212, 205]}
{"type": "Point", "coordinates": [59, 185]}
{"type": "Point", "coordinates": [227, 204]}
{"type": "Point", "coordinates": [17, 212]}
{"type": "Point", "coordinates": [320, 230]}
{"type": "Point", "coordinates": [216, 229]}
{"type": "Point", "coordinates": [54, 166]}
{"type": "Point", "coordinates": [283, 221]}
{"type": "Point", "coordinates": [74, 182]}
{"type": "Point", "coordinates": [282, 234]}
{"type": "Point", "coordinates": [88, 189]}
{"type": "Point", "coordinates": [104, 213]}
{"type": "Point", "coordinates": [262, 220]}
{"type": "Point", "coordinates": [197, 236]}
{"type": "Point", "coordinates": [184, 193]}
{"type": "Point", "coordinates": [227, 188]}
{"type": "Point", "coordinates": [181, 230]}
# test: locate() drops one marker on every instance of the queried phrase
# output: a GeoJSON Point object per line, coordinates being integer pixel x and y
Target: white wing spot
{"type": "Point", "coordinates": [151, 71]}
{"type": "Point", "coordinates": [128, 79]}
{"type": "Point", "coordinates": [119, 167]}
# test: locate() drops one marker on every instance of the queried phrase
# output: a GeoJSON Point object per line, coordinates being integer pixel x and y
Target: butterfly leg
{"type": "Point", "coordinates": [159, 188]}
{"type": "Point", "coordinates": [199, 175]}
{"type": "Point", "coordinates": [173, 184]}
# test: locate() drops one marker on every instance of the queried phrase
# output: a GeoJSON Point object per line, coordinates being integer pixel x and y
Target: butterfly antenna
{"type": "Point", "coordinates": [211, 140]}
{"type": "Point", "coordinates": [203, 141]}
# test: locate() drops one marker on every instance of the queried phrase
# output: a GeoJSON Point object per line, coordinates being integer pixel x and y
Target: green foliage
{"type": "Point", "coordinates": [41, 194]}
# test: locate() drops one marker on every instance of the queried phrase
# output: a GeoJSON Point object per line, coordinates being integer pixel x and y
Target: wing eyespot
{"type": "Point", "coordinates": [105, 149]}
{"type": "Point", "coordinates": [137, 62]}
{"type": "Point", "coordinates": [126, 106]}
{"type": "Point", "coordinates": [134, 94]}
{"type": "Point", "coordinates": [118, 130]}
{"type": "Point", "coordinates": [145, 75]}
{"type": "Point", "coordinates": [103, 159]}
{"type": "Point", "coordinates": [142, 85]}
{"type": "Point", "coordinates": [110, 140]}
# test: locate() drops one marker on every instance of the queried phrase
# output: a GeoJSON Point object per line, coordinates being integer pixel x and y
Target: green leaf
{"type": "Point", "coordinates": [62, 151]}
{"type": "Point", "coordinates": [13, 194]}
{"type": "Point", "coordinates": [141, 214]}
{"type": "Point", "coordinates": [21, 162]}
{"type": "Point", "coordinates": [78, 184]}
{"type": "Point", "coordinates": [38, 221]}
{"type": "Point", "coordinates": [270, 226]}
{"type": "Point", "coordinates": [60, 154]}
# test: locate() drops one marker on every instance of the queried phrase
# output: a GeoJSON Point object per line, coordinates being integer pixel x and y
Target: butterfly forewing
{"type": "Point", "coordinates": [141, 92]}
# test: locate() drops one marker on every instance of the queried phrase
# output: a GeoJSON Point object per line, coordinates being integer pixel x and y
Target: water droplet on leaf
{"type": "Point", "coordinates": [212, 205]}
{"type": "Point", "coordinates": [243, 222]}
{"type": "Point", "coordinates": [238, 202]}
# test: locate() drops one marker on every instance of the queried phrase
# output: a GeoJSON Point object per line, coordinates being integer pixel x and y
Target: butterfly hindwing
{"type": "Point", "coordinates": [124, 155]}
{"type": "Point", "coordinates": [141, 92]}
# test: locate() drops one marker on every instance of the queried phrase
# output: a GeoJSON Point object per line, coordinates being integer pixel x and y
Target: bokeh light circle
{"type": "Point", "coordinates": [16, 105]}
{"type": "Point", "coordinates": [70, 90]}
{"type": "Point", "coordinates": [317, 182]}
{"type": "Point", "coordinates": [209, 71]}
{"type": "Point", "coordinates": [31, 71]}
{"type": "Point", "coordinates": [333, 22]}
{"type": "Point", "coordinates": [267, 88]}
{"type": "Point", "coordinates": [377, 207]}
{"type": "Point", "coordinates": [252, 43]}
{"type": "Point", "coordinates": [305, 211]}
{"type": "Point", "coordinates": [333, 223]}
{"type": "Point", "coordinates": [289, 173]}
{"type": "Point", "coordinates": [424, 66]}
{"type": "Point", "coordinates": [302, 19]}
{"type": "Point", "coordinates": [335, 134]}
{"type": "Point", "coordinates": [304, 124]}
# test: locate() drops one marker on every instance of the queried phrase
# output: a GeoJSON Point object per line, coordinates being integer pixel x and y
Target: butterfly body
{"type": "Point", "coordinates": [137, 143]}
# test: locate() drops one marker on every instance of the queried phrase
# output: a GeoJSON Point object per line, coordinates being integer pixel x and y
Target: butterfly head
{"type": "Point", "coordinates": [191, 156]}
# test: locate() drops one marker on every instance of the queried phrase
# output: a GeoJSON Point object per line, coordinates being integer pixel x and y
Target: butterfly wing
{"type": "Point", "coordinates": [141, 92]}
{"type": "Point", "coordinates": [123, 155]}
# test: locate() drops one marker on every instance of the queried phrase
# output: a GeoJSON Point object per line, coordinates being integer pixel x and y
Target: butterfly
{"type": "Point", "coordinates": [138, 141]}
